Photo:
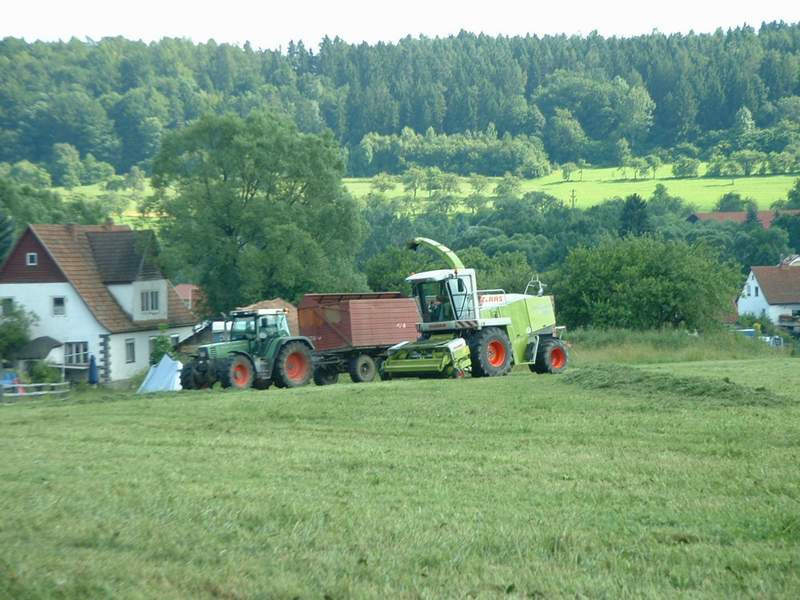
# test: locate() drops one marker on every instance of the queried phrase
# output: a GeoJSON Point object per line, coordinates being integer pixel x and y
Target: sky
{"type": "Point", "coordinates": [273, 24]}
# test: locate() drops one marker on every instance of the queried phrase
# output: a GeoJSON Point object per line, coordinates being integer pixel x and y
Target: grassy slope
{"type": "Point", "coordinates": [600, 184]}
{"type": "Point", "coordinates": [524, 485]}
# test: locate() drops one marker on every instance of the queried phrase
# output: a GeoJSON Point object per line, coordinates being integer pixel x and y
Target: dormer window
{"type": "Point", "coordinates": [150, 301]}
{"type": "Point", "coordinates": [32, 259]}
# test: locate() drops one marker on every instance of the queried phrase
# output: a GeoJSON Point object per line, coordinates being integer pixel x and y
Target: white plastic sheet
{"type": "Point", "coordinates": [163, 377]}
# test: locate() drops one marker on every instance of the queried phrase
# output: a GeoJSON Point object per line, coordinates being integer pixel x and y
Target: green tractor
{"type": "Point", "coordinates": [482, 332]}
{"type": "Point", "coordinates": [261, 351]}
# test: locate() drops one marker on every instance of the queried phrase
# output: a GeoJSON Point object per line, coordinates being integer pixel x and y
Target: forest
{"type": "Point", "coordinates": [503, 103]}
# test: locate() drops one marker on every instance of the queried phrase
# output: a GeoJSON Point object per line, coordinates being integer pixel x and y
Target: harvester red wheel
{"type": "Point", "coordinates": [490, 352]}
{"type": "Point", "coordinates": [552, 357]}
{"type": "Point", "coordinates": [237, 372]}
{"type": "Point", "coordinates": [362, 368]}
{"type": "Point", "coordinates": [293, 366]}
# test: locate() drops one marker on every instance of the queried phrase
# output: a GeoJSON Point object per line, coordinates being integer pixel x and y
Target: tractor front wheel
{"type": "Point", "coordinates": [362, 368]}
{"type": "Point", "coordinates": [237, 372]}
{"type": "Point", "coordinates": [490, 352]}
{"type": "Point", "coordinates": [552, 357]}
{"type": "Point", "coordinates": [293, 365]}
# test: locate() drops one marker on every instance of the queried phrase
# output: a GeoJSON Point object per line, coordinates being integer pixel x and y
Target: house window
{"type": "Point", "coordinates": [174, 339]}
{"type": "Point", "coordinates": [756, 289]}
{"type": "Point", "coordinates": [76, 353]}
{"type": "Point", "coordinates": [59, 306]}
{"type": "Point", "coordinates": [747, 290]}
{"type": "Point", "coordinates": [130, 350]}
{"type": "Point", "coordinates": [31, 259]}
{"type": "Point", "coordinates": [6, 306]}
{"type": "Point", "coordinates": [150, 301]}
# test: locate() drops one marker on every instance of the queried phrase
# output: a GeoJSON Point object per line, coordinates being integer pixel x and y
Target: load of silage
{"type": "Point", "coordinates": [630, 380]}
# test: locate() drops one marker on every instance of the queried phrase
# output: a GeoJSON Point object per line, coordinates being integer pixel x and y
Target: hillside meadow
{"type": "Point", "coordinates": [611, 480]}
{"type": "Point", "coordinates": [597, 185]}
{"type": "Point", "coordinates": [592, 187]}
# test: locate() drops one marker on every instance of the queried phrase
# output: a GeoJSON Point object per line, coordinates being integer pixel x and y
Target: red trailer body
{"type": "Point", "coordinates": [358, 321]}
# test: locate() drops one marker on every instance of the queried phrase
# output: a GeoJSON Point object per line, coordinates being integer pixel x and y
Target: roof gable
{"type": "Point", "coordinates": [780, 285]}
{"type": "Point", "coordinates": [15, 269]}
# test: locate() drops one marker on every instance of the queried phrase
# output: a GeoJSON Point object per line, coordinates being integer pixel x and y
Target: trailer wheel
{"type": "Point", "coordinates": [262, 384]}
{"type": "Point", "coordinates": [552, 357]}
{"type": "Point", "coordinates": [490, 352]}
{"type": "Point", "coordinates": [362, 368]}
{"type": "Point", "coordinates": [236, 372]}
{"type": "Point", "coordinates": [326, 376]}
{"type": "Point", "coordinates": [293, 365]}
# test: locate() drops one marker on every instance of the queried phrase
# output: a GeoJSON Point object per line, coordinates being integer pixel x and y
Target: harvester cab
{"type": "Point", "coordinates": [261, 351]}
{"type": "Point", "coordinates": [484, 332]}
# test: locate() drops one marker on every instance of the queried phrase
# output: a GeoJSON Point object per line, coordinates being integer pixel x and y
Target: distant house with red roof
{"type": "Point", "coordinates": [765, 217]}
{"type": "Point", "coordinates": [97, 290]}
{"type": "Point", "coordinates": [775, 293]}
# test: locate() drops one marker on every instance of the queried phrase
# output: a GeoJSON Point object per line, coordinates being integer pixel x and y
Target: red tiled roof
{"type": "Point", "coordinates": [70, 248]}
{"type": "Point", "coordinates": [765, 217]}
{"type": "Point", "coordinates": [780, 285]}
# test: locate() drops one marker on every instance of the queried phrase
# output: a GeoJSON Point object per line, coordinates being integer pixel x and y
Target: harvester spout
{"type": "Point", "coordinates": [440, 249]}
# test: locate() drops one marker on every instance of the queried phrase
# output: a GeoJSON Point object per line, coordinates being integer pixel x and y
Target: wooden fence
{"type": "Point", "coordinates": [11, 392]}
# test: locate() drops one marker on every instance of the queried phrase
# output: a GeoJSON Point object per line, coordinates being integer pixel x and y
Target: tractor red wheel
{"type": "Point", "coordinates": [237, 372]}
{"type": "Point", "coordinates": [490, 352]}
{"type": "Point", "coordinates": [293, 366]}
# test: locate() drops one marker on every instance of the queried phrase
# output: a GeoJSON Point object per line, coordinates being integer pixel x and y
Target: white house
{"type": "Point", "coordinates": [774, 292]}
{"type": "Point", "coordinates": [98, 291]}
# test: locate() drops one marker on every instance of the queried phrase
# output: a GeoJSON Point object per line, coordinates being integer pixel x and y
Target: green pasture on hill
{"type": "Point", "coordinates": [598, 185]}
{"type": "Point", "coordinates": [593, 187]}
{"type": "Point", "coordinates": [607, 481]}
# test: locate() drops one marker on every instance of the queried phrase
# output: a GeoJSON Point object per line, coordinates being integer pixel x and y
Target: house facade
{"type": "Point", "coordinates": [98, 291]}
{"type": "Point", "coordinates": [774, 292]}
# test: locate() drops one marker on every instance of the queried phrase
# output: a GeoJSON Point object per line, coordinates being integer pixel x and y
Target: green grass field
{"type": "Point", "coordinates": [679, 480]}
{"type": "Point", "coordinates": [598, 185]}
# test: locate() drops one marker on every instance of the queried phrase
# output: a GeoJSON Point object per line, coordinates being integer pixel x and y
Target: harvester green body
{"type": "Point", "coordinates": [261, 351]}
{"type": "Point", "coordinates": [484, 332]}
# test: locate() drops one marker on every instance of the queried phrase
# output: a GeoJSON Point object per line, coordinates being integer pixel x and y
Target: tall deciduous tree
{"type": "Point", "coordinates": [254, 209]}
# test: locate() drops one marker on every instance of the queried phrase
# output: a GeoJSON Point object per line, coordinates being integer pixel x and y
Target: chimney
{"type": "Point", "coordinates": [109, 224]}
{"type": "Point", "coordinates": [72, 231]}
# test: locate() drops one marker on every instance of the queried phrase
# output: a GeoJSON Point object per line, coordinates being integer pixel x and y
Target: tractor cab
{"type": "Point", "coordinates": [262, 324]}
{"type": "Point", "coordinates": [445, 295]}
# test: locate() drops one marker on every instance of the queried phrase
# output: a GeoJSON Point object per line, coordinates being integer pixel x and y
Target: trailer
{"type": "Point", "coordinates": [352, 333]}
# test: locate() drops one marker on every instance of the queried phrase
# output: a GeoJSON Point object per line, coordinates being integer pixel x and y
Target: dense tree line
{"type": "Point", "coordinates": [575, 96]}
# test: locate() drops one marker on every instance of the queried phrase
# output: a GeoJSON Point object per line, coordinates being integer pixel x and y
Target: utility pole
{"type": "Point", "coordinates": [572, 197]}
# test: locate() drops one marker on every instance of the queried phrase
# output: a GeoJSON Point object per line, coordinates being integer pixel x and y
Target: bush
{"type": "Point", "coordinates": [41, 372]}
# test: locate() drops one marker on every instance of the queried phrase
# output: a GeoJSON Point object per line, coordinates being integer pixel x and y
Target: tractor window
{"type": "Point", "coordinates": [461, 292]}
{"type": "Point", "coordinates": [434, 301]}
{"type": "Point", "coordinates": [274, 325]}
{"type": "Point", "coordinates": [243, 328]}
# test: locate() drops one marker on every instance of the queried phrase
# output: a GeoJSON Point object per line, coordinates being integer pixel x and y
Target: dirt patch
{"type": "Point", "coordinates": [630, 380]}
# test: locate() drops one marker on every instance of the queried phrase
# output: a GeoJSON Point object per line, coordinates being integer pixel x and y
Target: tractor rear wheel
{"type": "Point", "coordinates": [552, 357]}
{"type": "Point", "coordinates": [362, 368]}
{"type": "Point", "coordinates": [326, 375]}
{"type": "Point", "coordinates": [293, 365]}
{"type": "Point", "coordinates": [490, 352]}
{"type": "Point", "coordinates": [237, 372]}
